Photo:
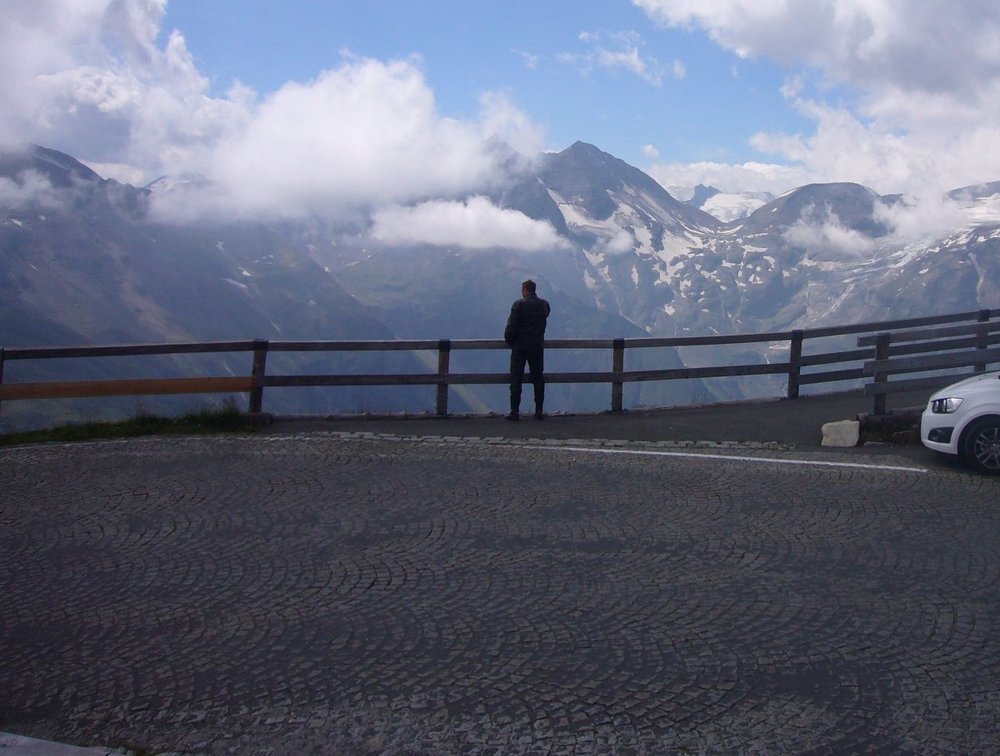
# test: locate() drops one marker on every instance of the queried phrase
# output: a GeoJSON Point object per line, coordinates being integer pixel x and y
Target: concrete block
{"type": "Point", "coordinates": [842, 433]}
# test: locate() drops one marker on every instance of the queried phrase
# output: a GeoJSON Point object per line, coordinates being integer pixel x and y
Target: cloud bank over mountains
{"type": "Point", "coordinates": [473, 224]}
{"type": "Point", "coordinates": [91, 77]}
{"type": "Point", "coordinates": [364, 134]}
{"type": "Point", "coordinates": [903, 98]}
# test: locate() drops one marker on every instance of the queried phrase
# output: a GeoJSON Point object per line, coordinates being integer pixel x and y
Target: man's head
{"type": "Point", "coordinates": [527, 287]}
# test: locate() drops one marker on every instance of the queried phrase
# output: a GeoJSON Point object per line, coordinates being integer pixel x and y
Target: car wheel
{"type": "Point", "coordinates": [981, 445]}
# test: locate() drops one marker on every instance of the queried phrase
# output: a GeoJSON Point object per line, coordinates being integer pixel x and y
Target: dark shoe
{"type": "Point", "coordinates": [513, 417]}
{"type": "Point", "coordinates": [539, 415]}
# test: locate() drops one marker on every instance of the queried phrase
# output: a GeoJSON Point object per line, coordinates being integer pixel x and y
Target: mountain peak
{"type": "Point", "coordinates": [853, 205]}
{"type": "Point", "coordinates": [702, 194]}
{"type": "Point", "coordinates": [581, 146]}
{"type": "Point", "coordinates": [58, 167]}
{"type": "Point", "coordinates": [181, 181]}
{"type": "Point", "coordinates": [592, 179]}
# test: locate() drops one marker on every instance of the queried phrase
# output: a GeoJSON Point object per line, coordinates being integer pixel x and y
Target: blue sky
{"type": "Point", "coordinates": [346, 107]}
{"type": "Point", "coordinates": [541, 53]}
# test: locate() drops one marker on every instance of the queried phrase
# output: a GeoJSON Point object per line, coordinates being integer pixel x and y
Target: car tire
{"type": "Point", "coordinates": [981, 445]}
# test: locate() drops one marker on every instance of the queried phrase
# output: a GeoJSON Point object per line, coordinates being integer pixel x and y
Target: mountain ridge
{"type": "Point", "coordinates": [83, 261]}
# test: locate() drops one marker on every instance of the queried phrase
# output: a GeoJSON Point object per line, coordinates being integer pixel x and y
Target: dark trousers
{"type": "Point", "coordinates": [535, 358]}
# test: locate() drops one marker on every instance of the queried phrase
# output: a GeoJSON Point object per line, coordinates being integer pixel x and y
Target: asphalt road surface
{"type": "Point", "coordinates": [368, 592]}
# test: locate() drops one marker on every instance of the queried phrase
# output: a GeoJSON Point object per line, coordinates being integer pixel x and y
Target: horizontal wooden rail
{"type": "Point", "coordinates": [884, 349]}
{"type": "Point", "coordinates": [833, 376]}
{"type": "Point", "coordinates": [726, 371]}
{"type": "Point", "coordinates": [132, 350]}
{"type": "Point", "coordinates": [928, 350]}
{"type": "Point", "coordinates": [833, 358]}
{"type": "Point", "coordinates": [932, 362]}
{"type": "Point", "coordinates": [943, 345]}
{"type": "Point", "coordinates": [926, 334]}
{"type": "Point", "coordinates": [133, 387]}
{"type": "Point", "coordinates": [896, 325]}
{"type": "Point", "coordinates": [931, 383]}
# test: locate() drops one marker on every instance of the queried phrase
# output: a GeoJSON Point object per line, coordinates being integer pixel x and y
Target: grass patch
{"type": "Point", "coordinates": [227, 419]}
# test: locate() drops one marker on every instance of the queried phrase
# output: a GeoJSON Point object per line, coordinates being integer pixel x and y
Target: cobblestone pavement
{"type": "Point", "coordinates": [348, 593]}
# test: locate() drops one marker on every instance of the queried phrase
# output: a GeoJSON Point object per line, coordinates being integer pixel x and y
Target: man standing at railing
{"type": "Point", "coordinates": [525, 333]}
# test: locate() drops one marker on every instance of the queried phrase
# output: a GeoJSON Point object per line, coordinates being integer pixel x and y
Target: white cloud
{"type": "Point", "coordinates": [501, 119]}
{"type": "Point", "coordinates": [621, 50]}
{"type": "Point", "coordinates": [91, 78]}
{"type": "Point", "coordinates": [530, 60]}
{"type": "Point", "coordinates": [29, 186]}
{"type": "Point", "coordinates": [825, 237]}
{"type": "Point", "coordinates": [360, 136]}
{"type": "Point", "coordinates": [619, 243]}
{"type": "Point", "coordinates": [631, 61]}
{"type": "Point", "coordinates": [88, 77]}
{"type": "Point", "coordinates": [871, 44]}
{"type": "Point", "coordinates": [844, 149]}
{"type": "Point", "coordinates": [926, 76]}
{"type": "Point", "coordinates": [126, 174]}
{"type": "Point", "coordinates": [920, 218]}
{"type": "Point", "coordinates": [473, 224]}
{"type": "Point", "coordinates": [750, 176]}
{"type": "Point", "coordinates": [366, 133]}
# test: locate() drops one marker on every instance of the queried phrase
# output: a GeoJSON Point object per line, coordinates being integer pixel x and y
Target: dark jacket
{"type": "Point", "coordinates": [526, 324]}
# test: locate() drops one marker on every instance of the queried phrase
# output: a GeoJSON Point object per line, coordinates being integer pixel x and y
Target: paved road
{"type": "Point", "coordinates": [342, 593]}
{"type": "Point", "coordinates": [797, 422]}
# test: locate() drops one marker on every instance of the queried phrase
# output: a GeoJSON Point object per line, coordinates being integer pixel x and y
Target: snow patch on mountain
{"type": "Point", "coordinates": [726, 206]}
{"type": "Point", "coordinates": [983, 210]}
{"type": "Point", "coordinates": [732, 207]}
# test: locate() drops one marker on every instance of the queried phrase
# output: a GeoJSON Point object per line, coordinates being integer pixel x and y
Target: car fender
{"type": "Point", "coordinates": [991, 409]}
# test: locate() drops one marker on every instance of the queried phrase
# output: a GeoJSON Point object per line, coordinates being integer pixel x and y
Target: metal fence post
{"type": "Point", "coordinates": [444, 362]}
{"type": "Point", "coordinates": [617, 368]}
{"type": "Point", "coordinates": [257, 373]}
{"type": "Point", "coordinates": [794, 364]}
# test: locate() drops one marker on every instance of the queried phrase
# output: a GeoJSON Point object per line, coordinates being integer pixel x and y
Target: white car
{"type": "Point", "coordinates": [964, 419]}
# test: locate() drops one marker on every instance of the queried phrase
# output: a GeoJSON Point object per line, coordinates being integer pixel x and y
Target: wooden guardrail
{"type": "Point", "coordinates": [874, 360]}
{"type": "Point", "coordinates": [928, 350]}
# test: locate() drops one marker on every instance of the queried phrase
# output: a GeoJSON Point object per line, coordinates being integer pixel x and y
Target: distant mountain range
{"type": "Point", "coordinates": [81, 261]}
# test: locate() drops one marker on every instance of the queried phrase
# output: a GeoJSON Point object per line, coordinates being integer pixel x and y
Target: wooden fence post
{"type": "Point", "coordinates": [444, 363]}
{"type": "Point", "coordinates": [257, 373]}
{"type": "Point", "coordinates": [617, 368]}
{"type": "Point", "coordinates": [984, 317]}
{"type": "Point", "coordinates": [1, 370]}
{"type": "Point", "coordinates": [881, 353]}
{"type": "Point", "coordinates": [794, 364]}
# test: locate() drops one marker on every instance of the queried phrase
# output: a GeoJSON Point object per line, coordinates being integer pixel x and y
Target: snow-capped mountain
{"type": "Point", "coordinates": [82, 261]}
{"type": "Point", "coordinates": [819, 254]}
